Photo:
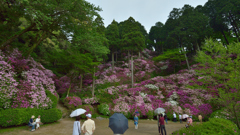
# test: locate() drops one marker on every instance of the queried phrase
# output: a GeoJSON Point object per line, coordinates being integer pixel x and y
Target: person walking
{"type": "Point", "coordinates": [77, 126]}
{"type": "Point", "coordinates": [31, 123]}
{"type": "Point", "coordinates": [180, 117]}
{"type": "Point", "coordinates": [165, 117]}
{"type": "Point", "coordinates": [136, 121]}
{"type": "Point", "coordinates": [88, 126]}
{"type": "Point", "coordinates": [174, 117]}
{"type": "Point", "coordinates": [200, 118]}
{"type": "Point", "coordinates": [162, 124]}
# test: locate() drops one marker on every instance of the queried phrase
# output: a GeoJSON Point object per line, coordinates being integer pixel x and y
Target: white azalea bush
{"type": "Point", "coordinates": [104, 109]}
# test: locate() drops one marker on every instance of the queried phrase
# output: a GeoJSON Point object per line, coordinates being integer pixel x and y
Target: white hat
{"type": "Point", "coordinates": [89, 115]}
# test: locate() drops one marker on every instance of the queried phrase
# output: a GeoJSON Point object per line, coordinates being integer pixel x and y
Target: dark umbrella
{"type": "Point", "coordinates": [118, 123]}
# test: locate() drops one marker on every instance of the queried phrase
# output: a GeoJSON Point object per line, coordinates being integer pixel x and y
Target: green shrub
{"type": "Point", "coordinates": [169, 115]}
{"type": "Point", "coordinates": [88, 108]}
{"type": "Point", "coordinates": [104, 109]}
{"type": "Point", "coordinates": [150, 114]}
{"type": "Point", "coordinates": [53, 98]}
{"type": "Point", "coordinates": [215, 126]}
{"type": "Point", "coordinates": [19, 116]}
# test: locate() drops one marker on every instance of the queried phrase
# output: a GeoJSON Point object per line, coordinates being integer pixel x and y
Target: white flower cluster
{"type": "Point", "coordinates": [143, 94]}
{"type": "Point", "coordinates": [173, 99]}
{"type": "Point", "coordinates": [151, 86]}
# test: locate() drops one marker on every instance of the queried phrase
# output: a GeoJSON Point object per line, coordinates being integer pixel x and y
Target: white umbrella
{"type": "Point", "coordinates": [159, 110]}
{"type": "Point", "coordinates": [184, 116]}
{"type": "Point", "coordinates": [77, 112]}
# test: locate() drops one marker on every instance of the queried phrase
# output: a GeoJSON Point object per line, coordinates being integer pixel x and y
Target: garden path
{"type": "Point", "coordinates": [65, 126]}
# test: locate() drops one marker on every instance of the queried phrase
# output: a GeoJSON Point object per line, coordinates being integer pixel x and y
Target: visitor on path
{"type": "Point", "coordinates": [38, 122]}
{"type": "Point", "coordinates": [189, 122]}
{"type": "Point", "coordinates": [31, 123]}
{"type": "Point", "coordinates": [88, 126]}
{"type": "Point", "coordinates": [162, 124]}
{"type": "Point", "coordinates": [136, 121]}
{"type": "Point", "coordinates": [165, 117]}
{"type": "Point", "coordinates": [77, 126]}
{"type": "Point", "coordinates": [180, 117]}
{"type": "Point", "coordinates": [200, 118]}
{"type": "Point", "coordinates": [174, 117]}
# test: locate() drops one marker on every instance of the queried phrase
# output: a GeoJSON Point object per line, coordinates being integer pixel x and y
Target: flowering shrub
{"type": "Point", "coordinates": [91, 100]}
{"type": "Point", "coordinates": [39, 81]}
{"type": "Point", "coordinates": [151, 86]}
{"type": "Point", "coordinates": [7, 82]}
{"type": "Point", "coordinates": [122, 107]}
{"type": "Point", "coordinates": [72, 102]}
{"type": "Point", "coordinates": [104, 109]}
{"type": "Point", "coordinates": [22, 95]}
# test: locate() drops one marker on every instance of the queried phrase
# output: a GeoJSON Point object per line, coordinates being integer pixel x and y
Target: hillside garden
{"type": "Point", "coordinates": [63, 54]}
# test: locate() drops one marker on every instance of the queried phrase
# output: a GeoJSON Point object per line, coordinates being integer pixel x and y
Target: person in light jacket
{"type": "Point", "coordinates": [77, 126]}
{"type": "Point", "coordinates": [88, 126]}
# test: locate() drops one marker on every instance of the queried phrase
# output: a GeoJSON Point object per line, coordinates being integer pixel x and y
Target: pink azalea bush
{"type": "Point", "coordinates": [72, 102]}
{"type": "Point", "coordinates": [28, 92]}
{"type": "Point", "coordinates": [7, 82]}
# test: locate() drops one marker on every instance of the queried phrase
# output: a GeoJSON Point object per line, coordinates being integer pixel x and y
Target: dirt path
{"type": "Point", "coordinates": [65, 126]}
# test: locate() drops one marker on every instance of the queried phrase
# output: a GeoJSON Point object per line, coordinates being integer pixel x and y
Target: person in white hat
{"type": "Point", "coordinates": [31, 123]}
{"type": "Point", "coordinates": [88, 126]}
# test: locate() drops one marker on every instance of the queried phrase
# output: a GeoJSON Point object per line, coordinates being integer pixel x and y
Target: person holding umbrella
{"type": "Point", "coordinates": [77, 125]}
{"type": "Point", "coordinates": [118, 123]}
{"type": "Point", "coordinates": [88, 126]}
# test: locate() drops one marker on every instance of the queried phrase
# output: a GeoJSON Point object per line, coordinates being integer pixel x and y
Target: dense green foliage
{"type": "Point", "coordinates": [104, 109]}
{"type": "Point", "coordinates": [53, 98]}
{"type": "Point", "coordinates": [222, 64]}
{"type": "Point", "coordinates": [15, 117]}
{"type": "Point", "coordinates": [215, 126]}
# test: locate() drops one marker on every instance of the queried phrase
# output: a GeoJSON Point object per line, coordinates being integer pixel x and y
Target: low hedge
{"type": "Point", "coordinates": [20, 116]}
{"type": "Point", "coordinates": [215, 126]}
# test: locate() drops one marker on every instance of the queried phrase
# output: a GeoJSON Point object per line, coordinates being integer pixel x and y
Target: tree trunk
{"type": "Point", "coordinates": [69, 89]}
{"type": "Point", "coordinates": [12, 38]}
{"type": "Point", "coordinates": [198, 47]}
{"type": "Point", "coordinates": [81, 81]}
{"type": "Point", "coordinates": [128, 59]}
{"type": "Point", "coordinates": [186, 58]}
{"type": "Point", "coordinates": [132, 68]}
{"type": "Point", "coordinates": [36, 44]}
{"type": "Point", "coordinates": [116, 56]}
{"type": "Point", "coordinates": [112, 61]}
{"type": "Point", "coordinates": [93, 86]}
{"type": "Point", "coordinates": [139, 55]}
{"type": "Point", "coordinates": [225, 37]}
{"type": "Point", "coordinates": [234, 29]}
{"type": "Point", "coordinates": [162, 48]}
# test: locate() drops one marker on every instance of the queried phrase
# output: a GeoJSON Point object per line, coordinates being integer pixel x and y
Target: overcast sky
{"type": "Point", "coordinates": [147, 12]}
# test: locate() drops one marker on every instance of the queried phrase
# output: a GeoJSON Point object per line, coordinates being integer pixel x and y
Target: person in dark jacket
{"type": "Point", "coordinates": [31, 123]}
